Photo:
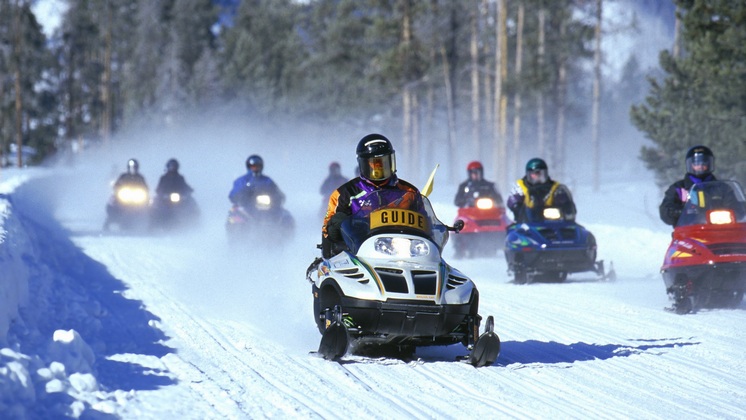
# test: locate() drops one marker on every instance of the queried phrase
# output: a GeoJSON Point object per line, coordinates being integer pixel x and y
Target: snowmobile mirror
{"type": "Point", "coordinates": [457, 226]}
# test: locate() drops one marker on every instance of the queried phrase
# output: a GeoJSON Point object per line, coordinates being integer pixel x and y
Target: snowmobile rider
{"type": "Point", "coordinates": [246, 186]}
{"type": "Point", "coordinates": [172, 181]}
{"type": "Point", "coordinates": [476, 187]}
{"type": "Point", "coordinates": [700, 162]}
{"type": "Point", "coordinates": [536, 191]}
{"type": "Point", "coordinates": [377, 163]}
{"type": "Point", "coordinates": [333, 180]}
{"type": "Point", "coordinates": [131, 177]}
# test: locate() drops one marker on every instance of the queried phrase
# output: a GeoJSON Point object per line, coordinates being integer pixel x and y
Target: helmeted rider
{"type": "Point", "coordinates": [700, 163]}
{"type": "Point", "coordinates": [131, 176]}
{"type": "Point", "coordinates": [333, 180]}
{"type": "Point", "coordinates": [476, 187]}
{"type": "Point", "coordinates": [536, 191]}
{"type": "Point", "coordinates": [172, 181]}
{"type": "Point", "coordinates": [377, 163]}
{"type": "Point", "coordinates": [254, 181]}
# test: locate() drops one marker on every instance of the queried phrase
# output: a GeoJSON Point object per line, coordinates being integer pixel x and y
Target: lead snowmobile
{"type": "Point", "coordinates": [705, 264]}
{"type": "Point", "coordinates": [391, 288]}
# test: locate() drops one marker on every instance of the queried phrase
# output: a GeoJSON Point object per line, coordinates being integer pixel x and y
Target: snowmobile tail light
{"type": "Point", "coordinates": [263, 202]}
{"type": "Point", "coordinates": [484, 203]}
{"type": "Point", "coordinates": [128, 195]}
{"type": "Point", "coordinates": [721, 217]}
{"type": "Point", "coordinates": [174, 197]}
{"type": "Point", "coordinates": [402, 247]}
{"type": "Point", "coordinates": [552, 213]}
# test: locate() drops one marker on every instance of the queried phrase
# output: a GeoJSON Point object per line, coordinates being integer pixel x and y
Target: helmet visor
{"type": "Point", "coordinates": [700, 164]}
{"type": "Point", "coordinates": [377, 168]}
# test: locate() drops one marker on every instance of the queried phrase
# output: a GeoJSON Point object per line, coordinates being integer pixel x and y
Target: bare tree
{"type": "Point", "coordinates": [501, 100]}
{"type": "Point", "coordinates": [475, 94]}
{"type": "Point", "coordinates": [596, 98]}
{"type": "Point", "coordinates": [540, 118]}
{"type": "Point", "coordinates": [517, 100]}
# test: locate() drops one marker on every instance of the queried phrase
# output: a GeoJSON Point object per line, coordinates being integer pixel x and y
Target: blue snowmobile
{"type": "Point", "coordinates": [549, 246]}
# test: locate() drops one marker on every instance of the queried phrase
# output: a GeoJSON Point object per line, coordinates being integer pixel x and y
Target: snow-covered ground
{"type": "Point", "coordinates": [182, 326]}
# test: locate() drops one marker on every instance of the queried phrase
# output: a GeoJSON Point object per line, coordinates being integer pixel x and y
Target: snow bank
{"type": "Point", "coordinates": [41, 374]}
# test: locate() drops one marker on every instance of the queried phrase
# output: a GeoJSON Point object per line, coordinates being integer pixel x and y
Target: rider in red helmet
{"type": "Point", "coordinates": [476, 187]}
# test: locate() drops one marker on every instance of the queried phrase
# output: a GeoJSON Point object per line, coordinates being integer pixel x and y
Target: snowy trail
{"type": "Point", "coordinates": [236, 332]}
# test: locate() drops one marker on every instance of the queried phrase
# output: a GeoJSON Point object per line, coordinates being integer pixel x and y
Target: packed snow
{"type": "Point", "coordinates": [95, 325]}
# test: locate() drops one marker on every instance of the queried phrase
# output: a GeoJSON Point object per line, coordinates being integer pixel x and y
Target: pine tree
{"type": "Point", "coordinates": [702, 99]}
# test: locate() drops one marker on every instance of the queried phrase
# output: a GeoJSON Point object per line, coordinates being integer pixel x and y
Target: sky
{"type": "Point", "coordinates": [185, 326]}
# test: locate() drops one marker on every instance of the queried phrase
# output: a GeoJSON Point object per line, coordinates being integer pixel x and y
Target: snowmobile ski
{"type": "Point", "coordinates": [487, 347]}
{"type": "Point", "coordinates": [335, 339]}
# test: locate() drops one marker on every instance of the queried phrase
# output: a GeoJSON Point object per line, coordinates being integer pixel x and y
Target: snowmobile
{"type": "Point", "coordinates": [173, 210]}
{"type": "Point", "coordinates": [549, 246]}
{"type": "Point", "coordinates": [485, 223]}
{"type": "Point", "coordinates": [128, 207]}
{"type": "Point", "coordinates": [705, 264]}
{"type": "Point", "coordinates": [391, 290]}
{"type": "Point", "coordinates": [259, 215]}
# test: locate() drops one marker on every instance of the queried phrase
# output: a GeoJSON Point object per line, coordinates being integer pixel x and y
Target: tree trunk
{"type": "Point", "coordinates": [475, 96]}
{"type": "Point", "coordinates": [676, 34]}
{"type": "Point", "coordinates": [518, 99]}
{"type": "Point", "coordinates": [450, 112]}
{"type": "Point", "coordinates": [596, 100]}
{"type": "Point", "coordinates": [540, 118]}
{"type": "Point", "coordinates": [17, 47]}
{"type": "Point", "coordinates": [486, 81]}
{"type": "Point", "coordinates": [106, 99]}
{"type": "Point", "coordinates": [559, 140]}
{"type": "Point", "coordinates": [501, 101]}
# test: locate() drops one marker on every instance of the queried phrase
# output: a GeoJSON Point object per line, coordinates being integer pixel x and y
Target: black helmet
{"type": "Point", "coordinates": [376, 158]}
{"type": "Point", "coordinates": [172, 165]}
{"type": "Point", "coordinates": [133, 166]}
{"type": "Point", "coordinates": [700, 161]}
{"type": "Point", "coordinates": [255, 164]}
{"type": "Point", "coordinates": [536, 171]}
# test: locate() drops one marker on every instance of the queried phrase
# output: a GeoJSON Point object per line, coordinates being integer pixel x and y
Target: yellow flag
{"type": "Point", "coordinates": [429, 184]}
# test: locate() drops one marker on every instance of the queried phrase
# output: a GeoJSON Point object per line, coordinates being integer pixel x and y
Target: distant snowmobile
{"type": "Point", "coordinates": [128, 207]}
{"type": "Point", "coordinates": [259, 216]}
{"type": "Point", "coordinates": [173, 210]}
{"type": "Point", "coordinates": [705, 264]}
{"type": "Point", "coordinates": [549, 246]}
{"type": "Point", "coordinates": [391, 289]}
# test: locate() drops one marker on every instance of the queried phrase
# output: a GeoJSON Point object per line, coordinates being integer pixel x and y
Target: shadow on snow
{"type": "Point", "coordinates": [69, 290]}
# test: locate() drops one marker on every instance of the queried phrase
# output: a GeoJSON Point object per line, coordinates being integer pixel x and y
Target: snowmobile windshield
{"type": "Point", "coordinates": [393, 211]}
{"type": "Point", "coordinates": [714, 202]}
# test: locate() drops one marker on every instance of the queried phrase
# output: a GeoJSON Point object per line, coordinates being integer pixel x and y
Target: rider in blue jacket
{"type": "Point", "coordinates": [246, 186]}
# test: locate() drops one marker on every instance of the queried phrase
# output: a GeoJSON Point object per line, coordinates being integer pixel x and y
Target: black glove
{"type": "Point", "coordinates": [334, 227]}
{"type": "Point", "coordinates": [673, 214]}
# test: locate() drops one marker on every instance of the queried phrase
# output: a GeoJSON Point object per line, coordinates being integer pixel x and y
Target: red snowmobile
{"type": "Point", "coordinates": [705, 265]}
{"type": "Point", "coordinates": [485, 222]}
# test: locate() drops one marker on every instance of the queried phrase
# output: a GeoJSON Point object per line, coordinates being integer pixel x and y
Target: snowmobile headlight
{"type": "Point", "coordinates": [552, 213]}
{"type": "Point", "coordinates": [174, 197]}
{"type": "Point", "coordinates": [721, 217]}
{"type": "Point", "coordinates": [402, 247]}
{"type": "Point", "coordinates": [484, 203]}
{"type": "Point", "coordinates": [128, 195]}
{"type": "Point", "coordinates": [263, 202]}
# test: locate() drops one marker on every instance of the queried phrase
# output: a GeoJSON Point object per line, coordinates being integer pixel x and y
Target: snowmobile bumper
{"type": "Point", "coordinates": [409, 321]}
{"type": "Point", "coordinates": [565, 260]}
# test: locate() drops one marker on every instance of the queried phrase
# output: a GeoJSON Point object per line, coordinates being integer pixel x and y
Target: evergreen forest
{"type": "Point", "coordinates": [502, 80]}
